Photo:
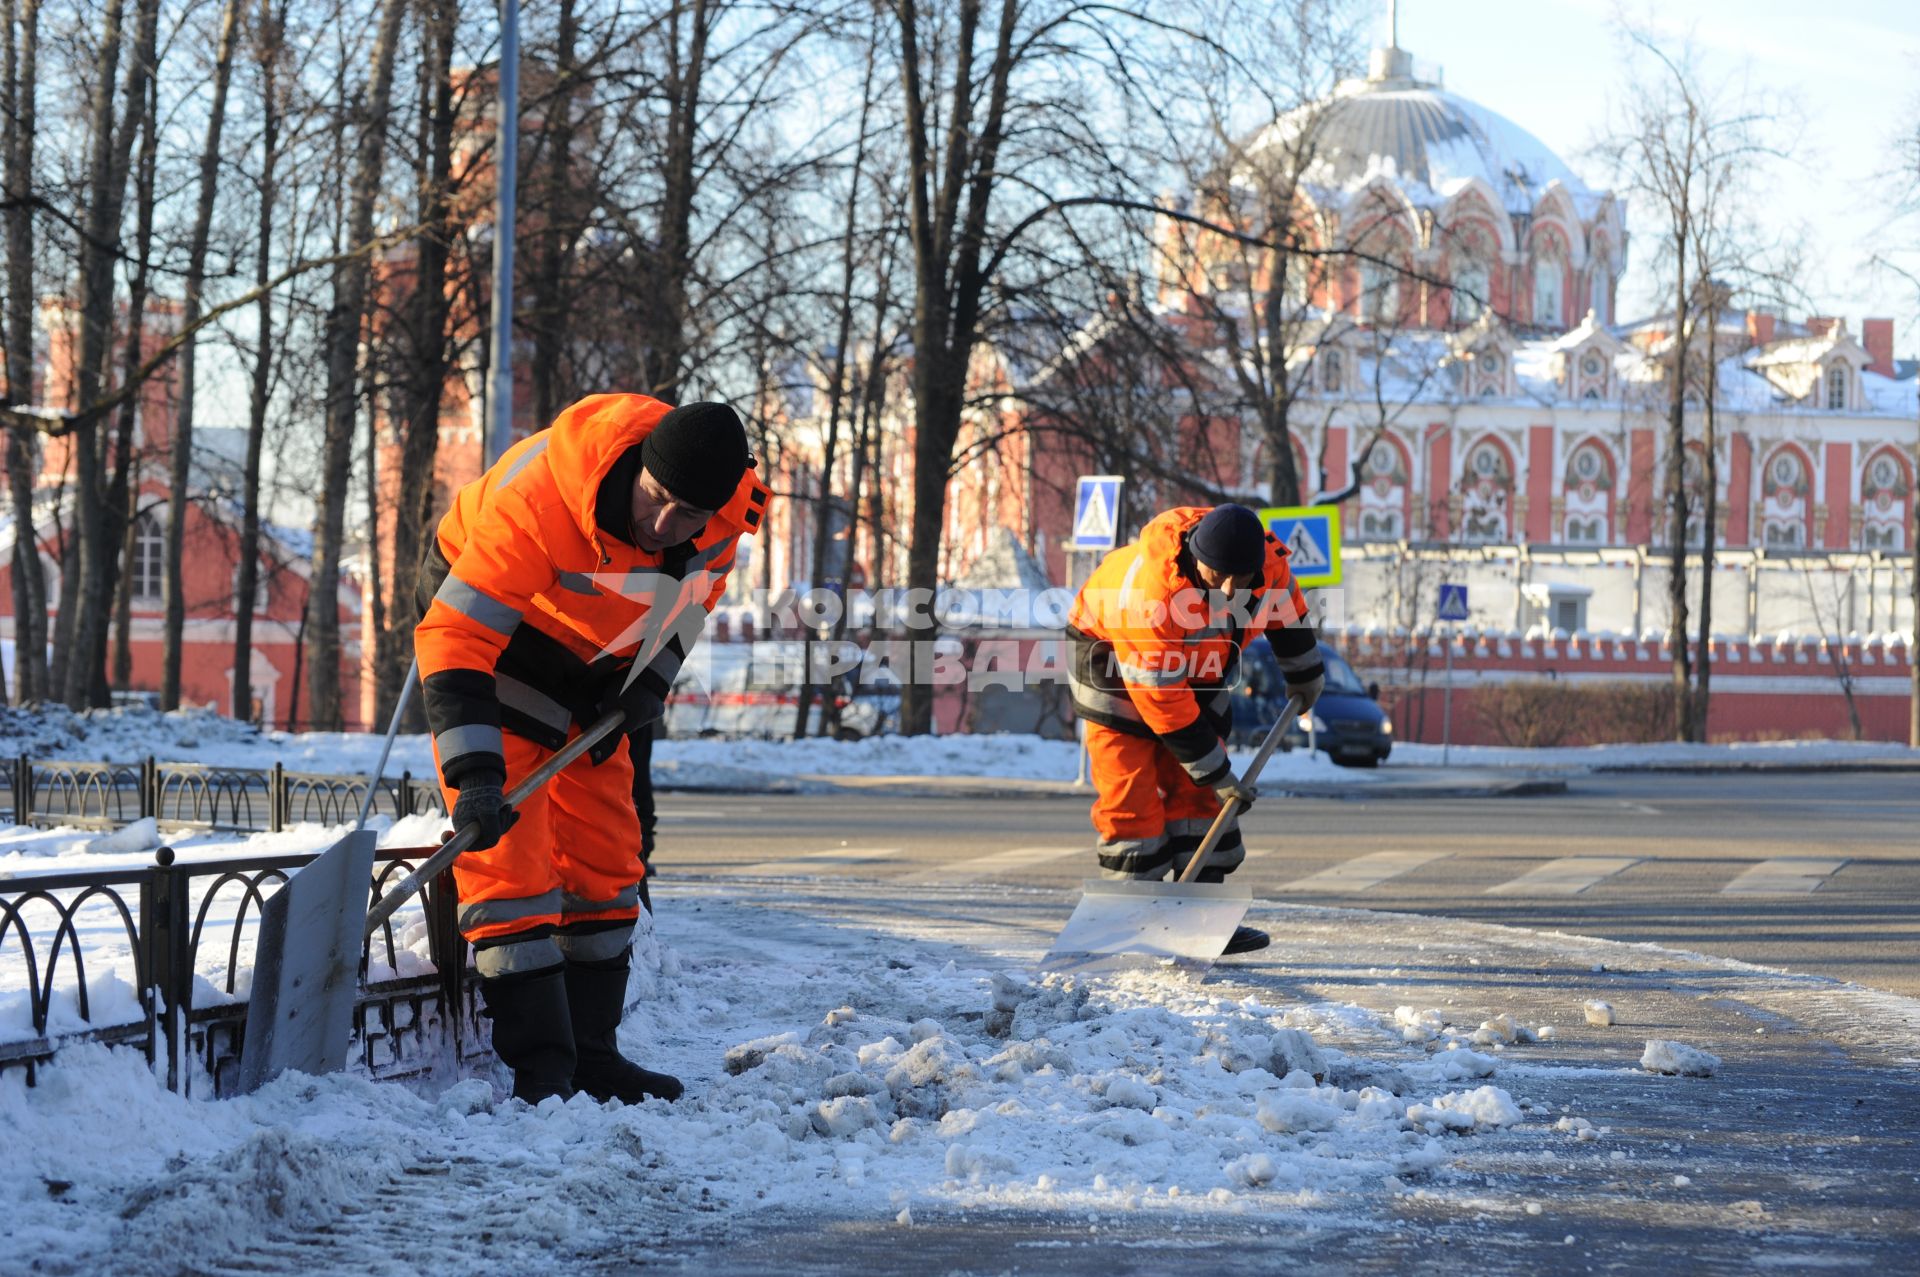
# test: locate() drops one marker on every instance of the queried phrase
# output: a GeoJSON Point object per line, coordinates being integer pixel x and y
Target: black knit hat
{"type": "Point", "coordinates": [1230, 539]}
{"type": "Point", "coordinates": [698, 453]}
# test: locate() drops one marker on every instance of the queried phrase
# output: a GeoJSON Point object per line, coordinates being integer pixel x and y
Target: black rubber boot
{"type": "Point", "coordinates": [1247, 940]}
{"type": "Point", "coordinates": [532, 1032]}
{"type": "Point", "coordinates": [597, 994]}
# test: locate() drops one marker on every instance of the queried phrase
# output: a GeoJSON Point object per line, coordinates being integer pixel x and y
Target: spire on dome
{"type": "Point", "coordinates": [1392, 62]}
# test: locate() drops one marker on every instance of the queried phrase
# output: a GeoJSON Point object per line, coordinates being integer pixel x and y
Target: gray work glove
{"type": "Point", "coordinates": [484, 803]}
{"type": "Point", "coordinates": [1235, 790]}
{"type": "Point", "coordinates": [1309, 690]}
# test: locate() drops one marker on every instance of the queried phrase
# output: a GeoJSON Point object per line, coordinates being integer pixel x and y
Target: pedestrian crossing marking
{"type": "Point", "coordinates": [998, 863]}
{"type": "Point", "coordinates": [1568, 876]}
{"type": "Point", "coordinates": [815, 860]}
{"type": "Point", "coordinates": [1784, 876]}
{"type": "Point", "coordinates": [1304, 551]}
{"type": "Point", "coordinates": [1363, 871]}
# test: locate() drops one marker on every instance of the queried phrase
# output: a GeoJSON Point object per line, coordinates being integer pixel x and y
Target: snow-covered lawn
{"type": "Point", "coordinates": [199, 737]}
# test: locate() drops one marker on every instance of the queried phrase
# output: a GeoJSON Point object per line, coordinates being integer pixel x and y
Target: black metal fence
{"type": "Point", "coordinates": [83, 795]}
{"type": "Point", "coordinates": [406, 1022]}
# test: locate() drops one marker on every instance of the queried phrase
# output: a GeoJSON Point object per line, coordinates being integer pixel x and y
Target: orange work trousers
{"type": "Point", "coordinates": [564, 882]}
{"type": "Point", "coordinates": [1148, 812]}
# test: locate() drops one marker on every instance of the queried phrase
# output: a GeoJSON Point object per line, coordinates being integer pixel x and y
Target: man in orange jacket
{"type": "Point", "coordinates": [1157, 632]}
{"type": "Point", "coordinates": [596, 545]}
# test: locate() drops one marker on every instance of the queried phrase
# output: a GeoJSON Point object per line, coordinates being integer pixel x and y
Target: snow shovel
{"type": "Point", "coordinates": [307, 961]}
{"type": "Point", "coordinates": [1121, 923]}
{"type": "Point", "coordinates": [297, 1007]}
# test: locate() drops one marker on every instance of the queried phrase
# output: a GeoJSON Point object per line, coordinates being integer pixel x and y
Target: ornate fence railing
{"type": "Point", "coordinates": [411, 1013]}
{"type": "Point", "coordinates": [85, 795]}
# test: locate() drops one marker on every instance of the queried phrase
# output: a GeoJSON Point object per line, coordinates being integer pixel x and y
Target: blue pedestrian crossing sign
{"type": "Point", "coordinates": [1453, 603]}
{"type": "Point", "coordinates": [1311, 534]}
{"type": "Point", "coordinates": [1096, 512]}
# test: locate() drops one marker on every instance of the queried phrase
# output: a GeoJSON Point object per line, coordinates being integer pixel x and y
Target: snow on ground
{"type": "Point", "coordinates": [195, 736]}
{"type": "Point", "coordinates": [1663, 1056]}
{"type": "Point", "coordinates": [819, 1078]}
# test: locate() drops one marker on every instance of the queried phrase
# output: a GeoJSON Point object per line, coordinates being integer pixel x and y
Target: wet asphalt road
{"type": "Point", "coordinates": [1839, 854]}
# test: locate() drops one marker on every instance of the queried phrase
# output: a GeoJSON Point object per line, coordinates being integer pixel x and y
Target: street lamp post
{"type": "Point", "coordinates": [506, 157]}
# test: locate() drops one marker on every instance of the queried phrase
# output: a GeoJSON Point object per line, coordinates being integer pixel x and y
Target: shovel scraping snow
{"type": "Point", "coordinates": [307, 960]}
{"type": "Point", "coordinates": [1122, 923]}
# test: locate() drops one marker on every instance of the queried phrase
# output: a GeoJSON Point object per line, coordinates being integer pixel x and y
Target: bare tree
{"type": "Point", "coordinates": [268, 32]}
{"type": "Point", "coordinates": [421, 348]}
{"type": "Point", "coordinates": [1680, 144]}
{"type": "Point", "coordinates": [180, 470]}
{"type": "Point", "coordinates": [826, 508]}
{"type": "Point", "coordinates": [343, 332]}
{"type": "Point", "coordinates": [113, 136]}
{"type": "Point", "coordinates": [17, 119]}
{"type": "Point", "coordinates": [1904, 181]}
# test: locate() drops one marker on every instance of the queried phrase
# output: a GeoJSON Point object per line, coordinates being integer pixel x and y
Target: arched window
{"type": "Point", "coordinates": [1785, 500]}
{"type": "Point", "coordinates": [1602, 311]}
{"type": "Point", "coordinates": [1487, 494]}
{"type": "Point", "coordinates": [1469, 291]}
{"type": "Point", "coordinates": [1332, 372]}
{"type": "Point", "coordinates": [1547, 273]}
{"type": "Point", "coordinates": [1837, 386]}
{"type": "Point", "coordinates": [147, 571]}
{"type": "Point", "coordinates": [1886, 503]}
{"type": "Point", "coordinates": [1379, 291]}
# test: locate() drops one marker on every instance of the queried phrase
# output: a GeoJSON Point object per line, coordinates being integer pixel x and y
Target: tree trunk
{"type": "Point", "coordinates": [667, 350]}
{"type": "Point", "coordinates": [421, 384]}
{"type": "Point", "coordinates": [947, 225]}
{"type": "Point", "coordinates": [552, 317]}
{"type": "Point", "coordinates": [247, 586]}
{"type": "Point", "coordinates": [1709, 516]}
{"type": "Point", "coordinates": [123, 493]}
{"type": "Point", "coordinates": [1677, 502]}
{"type": "Point", "coordinates": [86, 681]}
{"type": "Point", "coordinates": [824, 505]}
{"type": "Point", "coordinates": [182, 455]}
{"type": "Point", "coordinates": [343, 325]}
{"type": "Point", "coordinates": [29, 576]}
{"type": "Point", "coordinates": [97, 252]}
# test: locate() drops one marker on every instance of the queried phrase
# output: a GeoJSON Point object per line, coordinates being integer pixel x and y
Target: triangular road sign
{"type": "Point", "coordinates": [1096, 516]}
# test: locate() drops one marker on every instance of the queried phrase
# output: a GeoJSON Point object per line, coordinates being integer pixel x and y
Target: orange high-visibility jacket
{"type": "Point", "coordinates": [1152, 658]}
{"type": "Point", "coordinates": [536, 615]}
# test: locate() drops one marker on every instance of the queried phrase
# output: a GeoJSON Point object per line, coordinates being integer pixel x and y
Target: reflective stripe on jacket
{"type": "Point", "coordinates": [533, 615]}
{"type": "Point", "coordinates": [1150, 655]}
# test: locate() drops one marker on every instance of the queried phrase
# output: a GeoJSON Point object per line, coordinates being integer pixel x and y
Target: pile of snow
{"type": "Point", "coordinates": [1599, 1014]}
{"type": "Point", "coordinates": [1662, 1056]}
{"type": "Point", "coordinates": [130, 839]}
{"type": "Point", "coordinates": [819, 1079]}
{"type": "Point", "coordinates": [124, 734]}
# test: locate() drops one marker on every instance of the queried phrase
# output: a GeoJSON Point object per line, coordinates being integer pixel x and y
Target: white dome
{"type": "Point", "coordinates": [1430, 142]}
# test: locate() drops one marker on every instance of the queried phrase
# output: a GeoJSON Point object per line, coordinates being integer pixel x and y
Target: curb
{"type": "Point", "coordinates": [1897, 766]}
{"type": "Point", "coordinates": [908, 788]}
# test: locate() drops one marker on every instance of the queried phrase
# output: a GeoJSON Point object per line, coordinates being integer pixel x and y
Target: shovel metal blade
{"type": "Point", "coordinates": [1120, 924]}
{"type": "Point", "coordinates": [306, 966]}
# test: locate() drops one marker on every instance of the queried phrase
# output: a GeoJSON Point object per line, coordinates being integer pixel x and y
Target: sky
{"type": "Point", "coordinates": [1554, 66]}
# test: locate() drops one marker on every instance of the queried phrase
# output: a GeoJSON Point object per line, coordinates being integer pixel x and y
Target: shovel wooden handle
{"type": "Point", "coordinates": [463, 837]}
{"type": "Point", "coordinates": [1198, 861]}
